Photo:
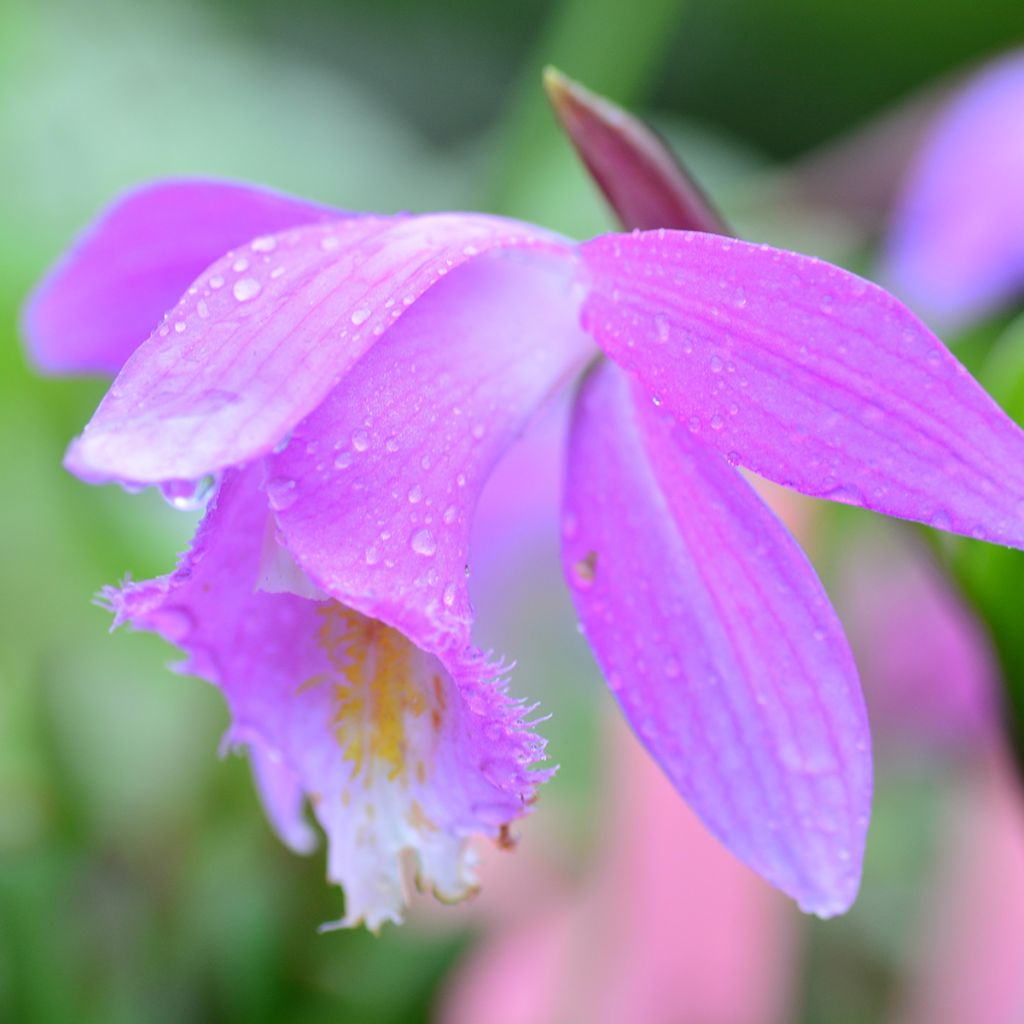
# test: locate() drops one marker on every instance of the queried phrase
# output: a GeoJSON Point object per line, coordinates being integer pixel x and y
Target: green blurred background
{"type": "Point", "coordinates": [138, 878]}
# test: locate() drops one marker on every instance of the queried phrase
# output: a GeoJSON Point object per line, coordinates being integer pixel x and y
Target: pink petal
{"type": "Point", "coordinates": [376, 490]}
{"type": "Point", "coordinates": [719, 643]}
{"type": "Point", "coordinates": [267, 335]}
{"type": "Point", "coordinates": [395, 749]}
{"type": "Point", "coordinates": [105, 296]}
{"type": "Point", "coordinates": [956, 249]}
{"type": "Point", "coordinates": [810, 376]}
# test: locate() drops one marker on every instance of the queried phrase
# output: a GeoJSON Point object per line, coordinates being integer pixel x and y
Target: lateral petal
{"type": "Point", "coordinates": [809, 376]}
{"type": "Point", "coordinates": [132, 264]}
{"type": "Point", "coordinates": [719, 643]}
{"type": "Point", "coordinates": [376, 490]}
{"type": "Point", "coordinates": [266, 335]}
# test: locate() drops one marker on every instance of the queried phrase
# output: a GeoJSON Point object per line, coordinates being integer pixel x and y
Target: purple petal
{"type": "Point", "coordinates": [809, 376]}
{"type": "Point", "coordinates": [376, 490]}
{"type": "Point", "coordinates": [719, 643]}
{"type": "Point", "coordinates": [267, 334]}
{"type": "Point", "coordinates": [956, 249]}
{"type": "Point", "coordinates": [395, 749]}
{"type": "Point", "coordinates": [105, 296]}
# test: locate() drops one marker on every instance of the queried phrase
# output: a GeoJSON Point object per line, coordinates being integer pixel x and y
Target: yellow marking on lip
{"type": "Point", "coordinates": [376, 690]}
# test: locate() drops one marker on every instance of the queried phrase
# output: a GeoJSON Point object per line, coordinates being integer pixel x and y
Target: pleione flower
{"type": "Point", "coordinates": [343, 385]}
{"type": "Point", "coordinates": [955, 249]}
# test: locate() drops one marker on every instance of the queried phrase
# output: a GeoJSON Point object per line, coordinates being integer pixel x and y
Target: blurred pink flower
{"type": "Point", "coordinates": [345, 385]}
{"type": "Point", "coordinates": [956, 244]}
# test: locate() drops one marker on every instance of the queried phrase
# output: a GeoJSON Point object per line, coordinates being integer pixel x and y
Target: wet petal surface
{"type": "Point", "coordinates": [266, 336]}
{"type": "Point", "coordinates": [809, 376]}
{"type": "Point", "coordinates": [108, 293]}
{"type": "Point", "coordinates": [376, 491]}
{"type": "Point", "coordinates": [719, 644]}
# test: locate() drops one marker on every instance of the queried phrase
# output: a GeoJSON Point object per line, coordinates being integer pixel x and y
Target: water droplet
{"type": "Point", "coordinates": [189, 495]}
{"type": "Point", "coordinates": [694, 424]}
{"type": "Point", "coordinates": [360, 315]}
{"type": "Point", "coordinates": [415, 494]}
{"type": "Point", "coordinates": [450, 514]}
{"type": "Point", "coordinates": [423, 543]}
{"type": "Point", "coordinates": [478, 431]}
{"type": "Point", "coordinates": [391, 444]}
{"type": "Point", "coordinates": [202, 309]}
{"type": "Point", "coordinates": [240, 265]}
{"type": "Point", "coordinates": [265, 243]}
{"type": "Point", "coordinates": [329, 243]}
{"type": "Point", "coordinates": [661, 327]}
{"type": "Point", "coordinates": [371, 555]}
{"type": "Point", "coordinates": [216, 282]}
{"type": "Point", "coordinates": [281, 493]}
{"type": "Point", "coordinates": [717, 422]}
{"type": "Point", "coordinates": [733, 458]}
{"type": "Point", "coordinates": [716, 364]}
{"type": "Point", "coordinates": [245, 288]}
{"type": "Point", "coordinates": [940, 520]}
{"type": "Point", "coordinates": [360, 440]}
{"type": "Point", "coordinates": [343, 461]}
{"type": "Point", "coordinates": [826, 304]}
{"type": "Point", "coordinates": [448, 597]}
{"type": "Point", "coordinates": [180, 326]}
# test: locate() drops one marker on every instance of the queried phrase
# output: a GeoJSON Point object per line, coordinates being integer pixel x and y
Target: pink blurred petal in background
{"type": "Point", "coordinates": [665, 927]}
{"type": "Point", "coordinates": [971, 962]}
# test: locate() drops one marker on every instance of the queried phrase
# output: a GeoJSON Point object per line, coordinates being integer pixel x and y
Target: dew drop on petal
{"type": "Point", "coordinates": [360, 440]}
{"type": "Point", "coordinates": [265, 243]}
{"type": "Point", "coordinates": [415, 494]}
{"type": "Point", "coordinates": [661, 327]}
{"type": "Point", "coordinates": [281, 493]}
{"type": "Point", "coordinates": [245, 288]}
{"type": "Point", "coordinates": [360, 315]}
{"type": "Point", "coordinates": [423, 543]}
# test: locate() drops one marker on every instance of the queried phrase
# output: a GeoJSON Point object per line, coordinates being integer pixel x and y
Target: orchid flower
{"type": "Point", "coordinates": [956, 245]}
{"type": "Point", "coordinates": [343, 385]}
